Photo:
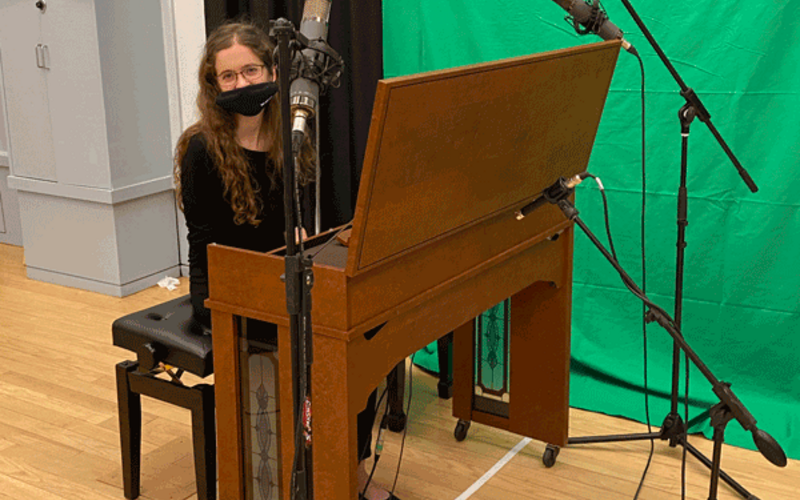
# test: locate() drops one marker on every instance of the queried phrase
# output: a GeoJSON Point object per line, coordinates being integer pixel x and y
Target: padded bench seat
{"type": "Point", "coordinates": [161, 335]}
{"type": "Point", "coordinates": [173, 336]}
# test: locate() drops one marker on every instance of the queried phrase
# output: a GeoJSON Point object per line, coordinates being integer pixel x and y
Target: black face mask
{"type": "Point", "coordinates": [247, 101]}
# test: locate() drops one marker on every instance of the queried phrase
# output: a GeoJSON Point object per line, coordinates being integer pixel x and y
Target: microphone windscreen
{"type": "Point", "coordinates": [770, 448]}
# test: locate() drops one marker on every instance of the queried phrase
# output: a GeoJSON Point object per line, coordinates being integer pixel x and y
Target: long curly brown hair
{"type": "Point", "coordinates": [218, 127]}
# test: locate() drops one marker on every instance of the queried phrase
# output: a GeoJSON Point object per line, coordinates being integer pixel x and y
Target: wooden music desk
{"type": "Point", "coordinates": [451, 156]}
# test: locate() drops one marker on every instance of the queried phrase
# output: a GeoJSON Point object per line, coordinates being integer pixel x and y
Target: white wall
{"type": "Point", "coordinates": [3, 126]}
{"type": "Point", "coordinates": [184, 46]}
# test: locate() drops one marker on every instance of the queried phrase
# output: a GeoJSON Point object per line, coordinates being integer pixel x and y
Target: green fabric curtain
{"type": "Point", "coordinates": [741, 312]}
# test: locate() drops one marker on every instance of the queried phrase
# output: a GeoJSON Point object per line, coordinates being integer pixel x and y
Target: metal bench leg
{"type": "Point", "coordinates": [130, 429]}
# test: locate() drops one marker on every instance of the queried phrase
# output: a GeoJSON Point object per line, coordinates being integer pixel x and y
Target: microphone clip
{"type": "Point", "coordinates": [324, 67]}
{"type": "Point", "coordinates": [597, 17]}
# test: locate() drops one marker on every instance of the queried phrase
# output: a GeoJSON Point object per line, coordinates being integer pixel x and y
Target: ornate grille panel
{"type": "Point", "coordinates": [492, 388]}
{"type": "Point", "coordinates": [260, 411]}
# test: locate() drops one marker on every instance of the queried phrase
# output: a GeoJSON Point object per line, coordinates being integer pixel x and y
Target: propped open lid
{"type": "Point", "coordinates": [450, 147]}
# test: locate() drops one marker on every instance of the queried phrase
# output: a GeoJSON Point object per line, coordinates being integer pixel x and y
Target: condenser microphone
{"type": "Point", "coordinates": [304, 91]}
{"type": "Point", "coordinates": [594, 21]}
{"type": "Point", "coordinates": [558, 191]}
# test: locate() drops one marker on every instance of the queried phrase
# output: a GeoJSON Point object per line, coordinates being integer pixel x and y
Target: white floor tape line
{"type": "Point", "coordinates": [491, 472]}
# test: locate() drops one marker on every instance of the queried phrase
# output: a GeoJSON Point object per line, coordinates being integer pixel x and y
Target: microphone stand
{"type": "Point", "coordinates": [728, 408]}
{"type": "Point", "coordinates": [299, 279]}
{"type": "Point", "coordinates": [673, 428]}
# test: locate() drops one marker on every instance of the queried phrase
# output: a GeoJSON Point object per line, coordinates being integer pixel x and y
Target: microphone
{"type": "Point", "coordinates": [594, 21]}
{"type": "Point", "coordinates": [304, 91]}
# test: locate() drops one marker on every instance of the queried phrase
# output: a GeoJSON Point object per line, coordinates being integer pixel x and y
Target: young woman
{"type": "Point", "coordinates": [228, 170]}
{"type": "Point", "coordinates": [228, 164]}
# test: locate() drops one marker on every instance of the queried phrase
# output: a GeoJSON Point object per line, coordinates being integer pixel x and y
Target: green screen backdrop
{"type": "Point", "coordinates": [741, 312]}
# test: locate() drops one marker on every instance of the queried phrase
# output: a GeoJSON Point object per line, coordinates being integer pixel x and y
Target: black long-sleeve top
{"type": "Point", "coordinates": [209, 217]}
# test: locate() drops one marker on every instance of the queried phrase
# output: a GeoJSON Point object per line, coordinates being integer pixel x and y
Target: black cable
{"type": "Point", "coordinates": [656, 312]}
{"type": "Point", "coordinates": [608, 224]}
{"type": "Point", "coordinates": [298, 442]}
{"type": "Point", "coordinates": [294, 47]}
{"type": "Point", "coordinates": [605, 212]}
{"type": "Point", "coordinates": [329, 74]}
{"type": "Point", "coordinates": [405, 431]}
{"type": "Point", "coordinates": [298, 436]}
{"type": "Point", "coordinates": [630, 285]}
{"type": "Point", "coordinates": [644, 287]}
{"type": "Point", "coordinates": [685, 429]}
{"type": "Point", "coordinates": [299, 430]}
{"type": "Point", "coordinates": [332, 238]}
{"type": "Point", "coordinates": [378, 447]}
{"type": "Point", "coordinates": [378, 442]}
{"type": "Point", "coordinates": [298, 210]}
{"type": "Point", "coordinates": [644, 273]}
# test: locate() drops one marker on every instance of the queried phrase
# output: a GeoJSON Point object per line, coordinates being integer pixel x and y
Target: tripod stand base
{"type": "Point", "coordinates": [672, 430]}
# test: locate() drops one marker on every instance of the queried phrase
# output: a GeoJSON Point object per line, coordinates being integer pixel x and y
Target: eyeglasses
{"type": "Point", "coordinates": [251, 72]}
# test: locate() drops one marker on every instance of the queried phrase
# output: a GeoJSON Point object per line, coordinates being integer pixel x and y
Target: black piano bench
{"type": "Point", "coordinates": [162, 337]}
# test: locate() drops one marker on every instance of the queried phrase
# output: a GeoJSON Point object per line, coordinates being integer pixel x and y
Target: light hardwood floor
{"type": "Point", "coordinates": [59, 440]}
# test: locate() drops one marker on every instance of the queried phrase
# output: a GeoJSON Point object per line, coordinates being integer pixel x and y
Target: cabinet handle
{"type": "Point", "coordinates": [39, 56]}
{"type": "Point", "coordinates": [45, 57]}
{"type": "Point", "coordinates": [41, 5]}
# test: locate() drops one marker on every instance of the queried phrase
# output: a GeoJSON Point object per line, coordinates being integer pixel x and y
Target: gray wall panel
{"type": "Point", "coordinates": [146, 236]}
{"type": "Point", "coordinates": [131, 43]}
{"type": "Point", "coordinates": [69, 236]}
{"type": "Point", "coordinates": [94, 132]}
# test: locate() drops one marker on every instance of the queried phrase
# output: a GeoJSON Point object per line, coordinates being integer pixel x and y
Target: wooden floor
{"type": "Point", "coordinates": [58, 427]}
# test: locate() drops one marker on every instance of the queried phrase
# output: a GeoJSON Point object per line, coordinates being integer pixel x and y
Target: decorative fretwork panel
{"type": "Point", "coordinates": [260, 411]}
{"type": "Point", "coordinates": [492, 388]}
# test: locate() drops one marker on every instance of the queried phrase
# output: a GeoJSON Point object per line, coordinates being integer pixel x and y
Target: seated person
{"type": "Point", "coordinates": [228, 171]}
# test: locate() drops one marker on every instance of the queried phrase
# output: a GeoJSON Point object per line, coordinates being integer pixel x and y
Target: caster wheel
{"type": "Point", "coordinates": [550, 454]}
{"type": "Point", "coordinates": [461, 430]}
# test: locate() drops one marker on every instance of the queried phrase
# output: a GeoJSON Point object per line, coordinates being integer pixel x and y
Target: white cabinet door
{"type": "Point", "coordinates": [21, 52]}
{"type": "Point", "coordinates": [75, 89]}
